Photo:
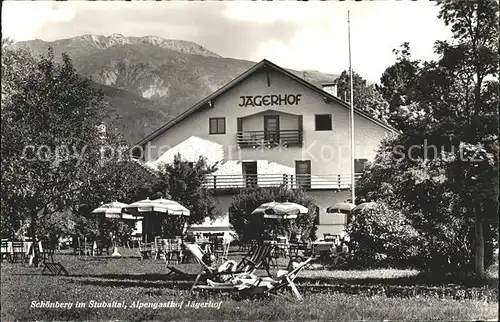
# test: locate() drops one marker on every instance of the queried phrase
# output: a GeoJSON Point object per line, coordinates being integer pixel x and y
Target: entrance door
{"type": "Point", "coordinates": [303, 174]}
{"type": "Point", "coordinates": [250, 173]}
{"type": "Point", "coordinates": [272, 128]}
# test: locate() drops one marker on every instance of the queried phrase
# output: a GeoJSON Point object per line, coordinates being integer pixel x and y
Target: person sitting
{"type": "Point", "coordinates": [345, 248]}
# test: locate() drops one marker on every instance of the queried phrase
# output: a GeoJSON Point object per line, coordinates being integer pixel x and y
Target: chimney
{"type": "Point", "coordinates": [330, 88]}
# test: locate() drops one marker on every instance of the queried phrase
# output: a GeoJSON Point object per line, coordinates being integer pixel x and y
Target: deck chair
{"type": "Point", "coordinates": [252, 284]}
{"type": "Point", "coordinates": [205, 271]}
{"type": "Point", "coordinates": [287, 280]}
{"type": "Point", "coordinates": [54, 268]}
{"type": "Point", "coordinates": [258, 257]}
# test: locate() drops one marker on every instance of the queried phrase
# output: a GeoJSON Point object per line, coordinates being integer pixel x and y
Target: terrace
{"type": "Point", "coordinates": [292, 181]}
{"type": "Point", "coordinates": [265, 138]}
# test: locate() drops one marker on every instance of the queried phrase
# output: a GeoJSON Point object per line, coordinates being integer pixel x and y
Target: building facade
{"type": "Point", "coordinates": [269, 127]}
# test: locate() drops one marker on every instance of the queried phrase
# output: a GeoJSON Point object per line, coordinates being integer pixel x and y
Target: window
{"type": "Point", "coordinates": [323, 122]}
{"type": "Point", "coordinates": [250, 173]}
{"type": "Point", "coordinates": [360, 165]}
{"type": "Point", "coordinates": [303, 174]}
{"type": "Point", "coordinates": [218, 125]}
{"type": "Point", "coordinates": [272, 128]}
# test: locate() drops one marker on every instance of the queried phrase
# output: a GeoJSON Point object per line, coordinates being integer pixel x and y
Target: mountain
{"type": "Point", "coordinates": [148, 80]}
{"type": "Point", "coordinates": [131, 114]}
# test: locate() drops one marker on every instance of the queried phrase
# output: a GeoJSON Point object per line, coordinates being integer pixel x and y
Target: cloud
{"type": "Point", "coordinates": [298, 35]}
{"type": "Point", "coordinates": [269, 12]}
{"type": "Point", "coordinates": [321, 39]}
{"type": "Point", "coordinates": [21, 20]}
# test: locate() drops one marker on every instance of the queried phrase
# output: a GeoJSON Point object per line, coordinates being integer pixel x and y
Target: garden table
{"type": "Point", "coordinates": [16, 249]}
{"type": "Point", "coordinates": [322, 246]}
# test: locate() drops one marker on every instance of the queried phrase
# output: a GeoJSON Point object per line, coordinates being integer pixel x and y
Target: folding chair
{"type": "Point", "coordinates": [145, 250]}
{"type": "Point", "coordinates": [17, 251]}
{"type": "Point", "coordinates": [54, 268]}
{"type": "Point", "coordinates": [220, 249]}
{"type": "Point", "coordinates": [252, 284]}
{"type": "Point", "coordinates": [205, 271]}
{"type": "Point", "coordinates": [287, 279]}
{"type": "Point", "coordinates": [172, 251]}
{"type": "Point", "coordinates": [157, 251]}
{"type": "Point", "coordinates": [225, 249]}
{"type": "Point", "coordinates": [258, 257]}
{"type": "Point", "coordinates": [4, 250]}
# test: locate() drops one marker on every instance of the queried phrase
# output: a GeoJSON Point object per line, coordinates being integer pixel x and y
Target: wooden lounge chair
{"type": "Point", "coordinates": [54, 268]}
{"type": "Point", "coordinates": [252, 284]}
{"type": "Point", "coordinates": [258, 257]}
{"type": "Point", "coordinates": [287, 280]}
{"type": "Point", "coordinates": [205, 271]}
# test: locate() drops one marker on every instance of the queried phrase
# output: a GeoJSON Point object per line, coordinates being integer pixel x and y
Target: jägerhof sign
{"type": "Point", "coordinates": [270, 100]}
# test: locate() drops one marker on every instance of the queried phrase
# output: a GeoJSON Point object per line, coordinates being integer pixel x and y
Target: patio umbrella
{"type": "Point", "coordinates": [156, 206]}
{"type": "Point", "coordinates": [280, 210]}
{"type": "Point", "coordinates": [113, 210]}
{"type": "Point", "coordinates": [341, 207]}
{"type": "Point", "coordinates": [161, 205]}
{"type": "Point", "coordinates": [362, 206]}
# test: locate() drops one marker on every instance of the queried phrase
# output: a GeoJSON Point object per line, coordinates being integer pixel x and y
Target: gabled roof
{"type": "Point", "coordinates": [207, 101]}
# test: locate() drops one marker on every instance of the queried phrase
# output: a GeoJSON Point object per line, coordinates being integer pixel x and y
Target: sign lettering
{"type": "Point", "coordinates": [270, 100]}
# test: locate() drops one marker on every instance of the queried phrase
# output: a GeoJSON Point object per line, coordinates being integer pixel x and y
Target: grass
{"type": "Point", "coordinates": [125, 280]}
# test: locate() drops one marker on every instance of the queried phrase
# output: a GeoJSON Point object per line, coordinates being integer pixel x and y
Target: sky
{"type": "Point", "coordinates": [299, 35]}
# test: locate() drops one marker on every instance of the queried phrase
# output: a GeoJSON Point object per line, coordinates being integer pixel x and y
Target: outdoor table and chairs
{"type": "Point", "coordinates": [323, 248]}
{"type": "Point", "coordinates": [172, 251]}
{"type": "Point", "coordinates": [284, 250]}
{"type": "Point", "coordinates": [145, 250]}
{"type": "Point", "coordinates": [23, 251]}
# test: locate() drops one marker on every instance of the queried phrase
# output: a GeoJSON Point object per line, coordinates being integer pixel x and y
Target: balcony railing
{"type": "Point", "coordinates": [293, 181]}
{"type": "Point", "coordinates": [266, 138]}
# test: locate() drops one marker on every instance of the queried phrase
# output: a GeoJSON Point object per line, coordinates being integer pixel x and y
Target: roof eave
{"type": "Point", "coordinates": [209, 100]}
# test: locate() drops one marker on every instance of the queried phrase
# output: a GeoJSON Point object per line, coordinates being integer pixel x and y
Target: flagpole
{"type": "Point", "coordinates": [353, 194]}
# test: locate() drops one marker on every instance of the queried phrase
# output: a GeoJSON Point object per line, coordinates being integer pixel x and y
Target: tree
{"type": "Point", "coordinates": [183, 181]}
{"type": "Point", "coordinates": [383, 237]}
{"type": "Point", "coordinates": [437, 184]}
{"type": "Point", "coordinates": [50, 142]}
{"type": "Point", "coordinates": [474, 56]}
{"type": "Point", "coordinates": [251, 227]}
{"type": "Point", "coordinates": [367, 98]}
{"type": "Point", "coordinates": [398, 86]}
{"type": "Point", "coordinates": [443, 171]}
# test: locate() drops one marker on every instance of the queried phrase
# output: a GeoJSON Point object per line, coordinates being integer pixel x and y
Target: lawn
{"type": "Point", "coordinates": [128, 281]}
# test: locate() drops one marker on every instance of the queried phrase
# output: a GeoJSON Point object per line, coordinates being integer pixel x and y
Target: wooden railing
{"type": "Point", "coordinates": [266, 138]}
{"type": "Point", "coordinates": [293, 181]}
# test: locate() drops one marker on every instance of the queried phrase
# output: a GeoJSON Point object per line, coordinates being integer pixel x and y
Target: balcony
{"type": "Point", "coordinates": [292, 181]}
{"type": "Point", "coordinates": [266, 138]}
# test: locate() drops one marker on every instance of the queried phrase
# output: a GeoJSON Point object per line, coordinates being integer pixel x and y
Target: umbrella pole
{"type": "Point", "coordinates": [115, 249]}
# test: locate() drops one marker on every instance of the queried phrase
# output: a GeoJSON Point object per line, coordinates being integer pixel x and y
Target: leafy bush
{"type": "Point", "coordinates": [251, 227]}
{"type": "Point", "coordinates": [182, 181]}
{"type": "Point", "coordinates": [381, 237]}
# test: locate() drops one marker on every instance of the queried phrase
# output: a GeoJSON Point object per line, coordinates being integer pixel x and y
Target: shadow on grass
{"type": "Point", "coordinates": [138, 277]}
{"type": "Point", "coordinates": [142, 283]}
{"type": "Point", "coordinates": [420, 279]}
